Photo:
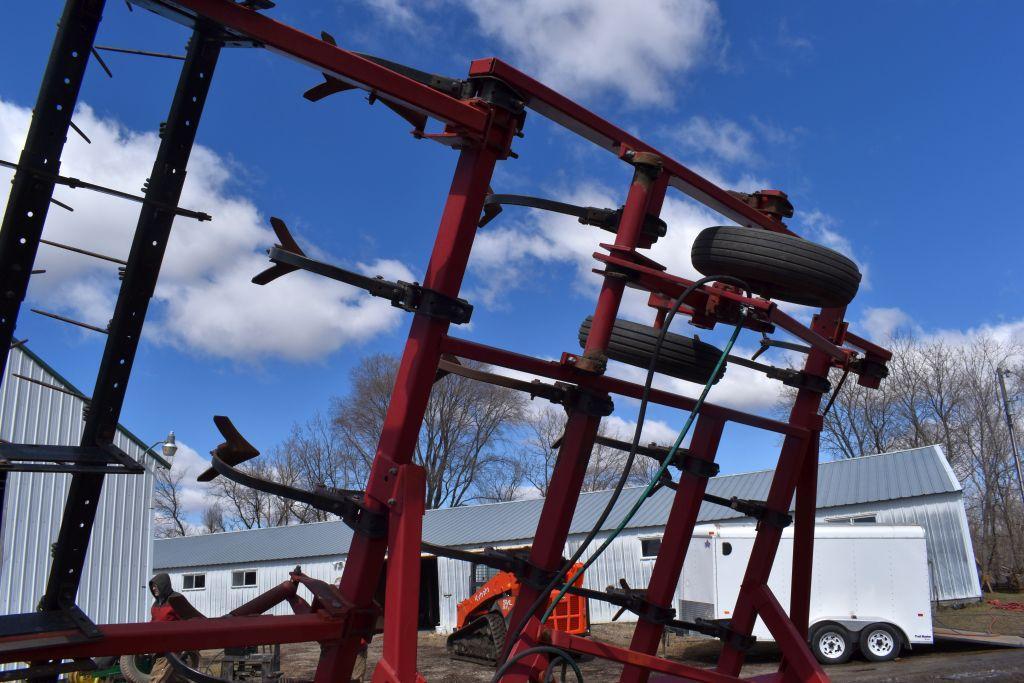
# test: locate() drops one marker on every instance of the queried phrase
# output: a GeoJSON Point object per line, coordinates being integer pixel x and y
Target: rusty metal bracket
{"type": "Point", "coordinates": [344, 503]}
{"type": "Point", "coordinates": [288, 257]}
{"type": "Point", "coordinates": [606, 219]}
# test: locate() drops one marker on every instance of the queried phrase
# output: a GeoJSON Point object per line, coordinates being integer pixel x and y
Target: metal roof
{"type": "Point", "coordinates": [888, 476]}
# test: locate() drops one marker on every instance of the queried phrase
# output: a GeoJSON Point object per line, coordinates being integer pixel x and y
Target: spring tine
{"type": "Point", "coordinates": [79, 131]}
{"type": "Point", "coordinates": [99, 60]}
{"type": "Point", "coordinates": [76, 183]}
{"type": "Point", "coordinates": [77, 250]}
{"type": "Point", "coordinates": [70, 321]}
{"type": "Point", "coordinates": [143, 53]}
{"type": "Point", "coordinates": [17, 343]}
{"type": "Point", "coordinates": [38, 272]}
{"type": "Point", "coordinates": [61, 204]}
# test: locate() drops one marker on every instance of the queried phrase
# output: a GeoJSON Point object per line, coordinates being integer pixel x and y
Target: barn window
{"type": "Point", "coordinates": [649, 547]}
{"type": "Point", "coordinates": [243, 578]}
{"type": "Point", "coordinates": [193, 582]}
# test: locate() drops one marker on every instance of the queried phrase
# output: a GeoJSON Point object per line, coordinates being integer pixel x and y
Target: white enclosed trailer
{"type": "Point", "coordinates": [869, 591]}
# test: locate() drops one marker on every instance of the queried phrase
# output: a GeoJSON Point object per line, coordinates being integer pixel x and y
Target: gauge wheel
{"type": "Point", "coordinates": [831, 644]}
{"type": "Point", "coordinates": [136, 668]}
{"type": "Point", "coordinates": [880, 643]}
{"type": "Point", "coordinates": [777, 265]}
{"type": "Point", "coordinates": [684, 357]}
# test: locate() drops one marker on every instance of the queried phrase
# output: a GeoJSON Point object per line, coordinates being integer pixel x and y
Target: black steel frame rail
{"type": "Point", "coordinates": [31, 193]}
{"type": "Point", "coordinates": [140, 278]}
{"type": "Point", "coordinates": [30, 196]}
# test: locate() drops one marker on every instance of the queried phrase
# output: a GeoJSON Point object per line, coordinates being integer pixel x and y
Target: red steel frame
{"type": "Point", "coordinates": [483, 133]}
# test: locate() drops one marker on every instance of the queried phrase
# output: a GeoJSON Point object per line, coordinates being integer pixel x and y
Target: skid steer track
{"type": "Point", "coordinates": [481, 640]}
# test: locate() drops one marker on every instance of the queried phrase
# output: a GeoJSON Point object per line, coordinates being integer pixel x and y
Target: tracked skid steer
{"type": "Point", "coordinates": [479, 635]}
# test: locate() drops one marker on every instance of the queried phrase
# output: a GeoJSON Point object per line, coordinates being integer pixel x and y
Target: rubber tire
{"type": "Point", "coordinates": [866, 634]}
{"type": "Point", "coordinates": [777, 265]}
{"type": "Point", "coordinates": [825, 629]}
{"type": "Point", "coordinates": [131, 671]}
{"type": "Point", "coordinates": [682, 357]}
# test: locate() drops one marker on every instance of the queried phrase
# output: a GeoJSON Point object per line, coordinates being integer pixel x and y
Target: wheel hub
{"type": "Point", "coordinates": [880, 643]}
{"type": "Point", "coordinates": [832, 645]}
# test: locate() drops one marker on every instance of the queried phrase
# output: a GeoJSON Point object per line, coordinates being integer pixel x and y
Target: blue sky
{"type": "Point", "coordinates": [894, 127]}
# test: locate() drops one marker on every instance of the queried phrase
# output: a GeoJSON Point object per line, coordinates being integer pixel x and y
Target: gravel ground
{"type": "Point", "coordinates": [943, 662]}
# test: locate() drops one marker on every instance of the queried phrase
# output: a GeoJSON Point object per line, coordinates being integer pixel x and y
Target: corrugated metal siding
{"type": "Point", "coordinates": [219, 598]}
{"type": "Point", "coordinates": [950, 551]}
{"type": "Point", "coordinates": [904, 474]}
{"type": "Point", "coordinates": [119, 560]}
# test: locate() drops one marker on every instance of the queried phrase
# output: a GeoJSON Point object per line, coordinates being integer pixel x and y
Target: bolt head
{"type": "Point", "coordinates": [391, 501]}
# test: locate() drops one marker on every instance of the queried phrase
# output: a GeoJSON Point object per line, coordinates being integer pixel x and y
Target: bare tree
{"type": "Point", "coordinates": [213, 519]}
{"type": "Point", "coordinates": [314, 456]}
{"type": "Point", "coordinates": [465, 423]}
{"type": "Point", "coordinates": [545, 427]}
{"type": "Point", "coordinates": [500, 480]}
{"type": "Point", "coordinates": [167, 504]}
{"type": "Point", "coordinates": [944, 392]}
{"type": "Point", "coordinates": [249, 508]}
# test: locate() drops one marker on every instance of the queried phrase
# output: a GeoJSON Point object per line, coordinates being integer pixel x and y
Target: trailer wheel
{"type": "Point", "coordinates": [776, 265]}
{"type": "Point", "coordinates": [831, 644]}
{"type": "Point", "coordinates": [880, 643]}
{"type": "Point", "coordinates": [683, 357]}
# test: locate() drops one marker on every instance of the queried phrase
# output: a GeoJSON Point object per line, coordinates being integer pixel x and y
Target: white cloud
{"type": "Point", "coordinates": [821, 227]}
{"type": "Point", "coordinates": [204, 301]}
{"type": "Point", "coordinates": [195, 496]}
{"type": "Point", "coordinates": [581, 46]}
{"type": "Point", "coordinates": [881, 323]}
{"type": "Point", "coordinates": [724, 138]}
{"type": "Point", "coordinates": [394, 12]}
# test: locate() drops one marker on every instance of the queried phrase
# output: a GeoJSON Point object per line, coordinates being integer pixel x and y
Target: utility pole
{"type": "Point", "coordinates": [1000, 373]}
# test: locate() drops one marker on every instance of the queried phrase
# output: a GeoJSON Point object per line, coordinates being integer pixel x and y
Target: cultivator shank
{"type": "Point", "coordinates": [481, 116]}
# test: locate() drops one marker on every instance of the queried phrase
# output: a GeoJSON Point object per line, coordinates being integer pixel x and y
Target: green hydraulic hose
{"type": "Point", "coordinates": [661, 470]}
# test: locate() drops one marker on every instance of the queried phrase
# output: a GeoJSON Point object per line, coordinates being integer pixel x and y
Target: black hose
{"type": "Point", "coordinates": [537, 650]}
{"type": "Point", "coordinates": [544, 595]}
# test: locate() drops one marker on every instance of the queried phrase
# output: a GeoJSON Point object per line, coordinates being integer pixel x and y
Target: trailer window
{"type": "Point", "coordinates": [193, 582]}
{"type": "Point", "coordinates": [649, 548]}
{"type": "Point", "coordinates": [853, 519]}
{"type": "Point", "coordinates": [243, 578]}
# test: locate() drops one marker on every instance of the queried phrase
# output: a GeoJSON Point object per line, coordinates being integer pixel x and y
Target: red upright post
{"type": "Point", "coordinates": [645, 191]}
{"type": "Point", "coordinates": [403, 580]}
{"type": "Point", "coordinates": [803, 537]}
{"type": "Point", "coordinates": [678, 530]}
{"type": "Point", "coordinates": [404, 416]}
{"type": "Point", "coordinates": [788, 471]}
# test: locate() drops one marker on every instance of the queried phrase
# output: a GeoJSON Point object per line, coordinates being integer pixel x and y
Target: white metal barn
{"type": "Point", "coordinates": [218, 572]}
{"type": "Point", "coordinates": [47, 409]}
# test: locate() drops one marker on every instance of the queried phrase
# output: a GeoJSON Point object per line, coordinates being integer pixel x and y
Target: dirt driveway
{"type": "Point", "coordinates": [936, 663]}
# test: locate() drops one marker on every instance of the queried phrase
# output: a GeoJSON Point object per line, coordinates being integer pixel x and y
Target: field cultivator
{"type": "Point", "coordinates": [749, 267]}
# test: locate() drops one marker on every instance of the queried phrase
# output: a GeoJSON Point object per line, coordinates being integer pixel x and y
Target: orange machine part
{"type": "Point", "coordinates": [570, 615]}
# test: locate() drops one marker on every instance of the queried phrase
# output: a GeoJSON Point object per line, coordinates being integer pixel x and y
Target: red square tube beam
{"type": "Point", "coordinates": [586, 124]}
{"type": "Point", "coordinates": [679, 528]}
{"type": "Point", "coordinates": [645, 193]}
{"type": "Point", "coordinates": [339, 63]}
{"type": "Point", "coordinates": [464, 348]}
{"type": "Point", "coordinates": [614, 653]}
{"type": "Point", "coordinates": [172, 636]}
{"type": "Point", "coordinates": [654, 280]}
{"type": "Point", "coordinates": [780, 494]}
{"type": "Point", "coordinates": [404, 417]}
